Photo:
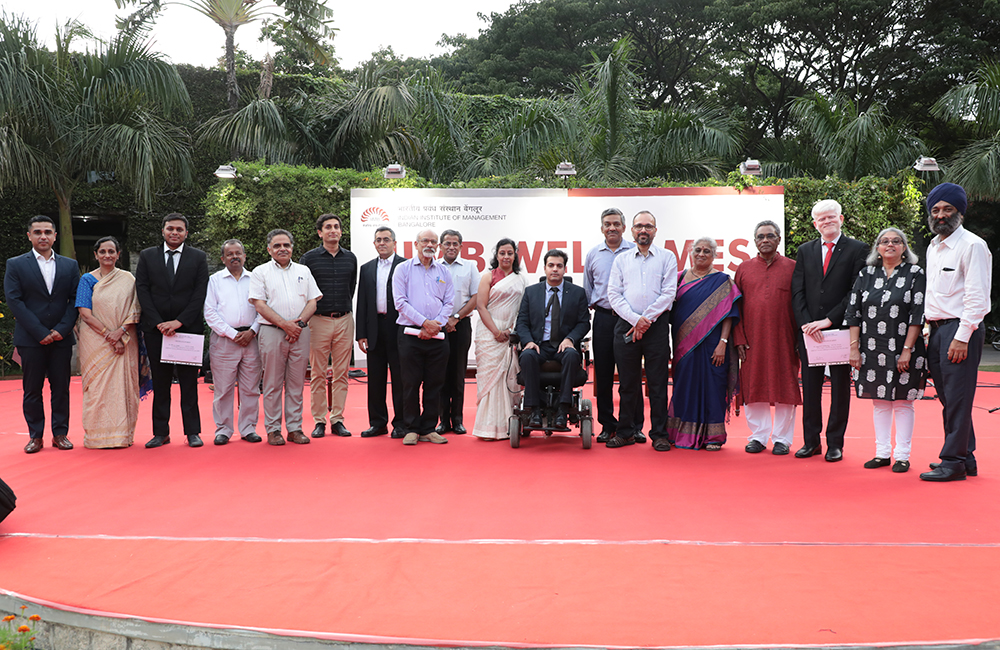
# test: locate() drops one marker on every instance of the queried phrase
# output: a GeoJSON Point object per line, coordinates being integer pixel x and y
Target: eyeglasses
{"type": "Point", "coordinates": [702, 251]}
{"type": "Point", "coordinates": [763, 236]}
{"type": "Point", "coordinates": [451, 244]}
{"type": "Point", "coordinates": [895, 241]}
{"type": "Point", "coordinates": [427, 242]}
{"type": "Point", "coordinates": [644, 226]}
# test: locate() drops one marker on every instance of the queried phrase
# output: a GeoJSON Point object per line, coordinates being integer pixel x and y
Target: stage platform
{"type": "Point", "coordinates": [366, 541]}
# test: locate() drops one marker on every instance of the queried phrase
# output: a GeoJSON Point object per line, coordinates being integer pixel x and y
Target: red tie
{"type": "Point", "coordinates": [829, 253]}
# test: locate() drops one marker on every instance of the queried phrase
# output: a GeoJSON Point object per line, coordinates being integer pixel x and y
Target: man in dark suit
{"type": "Point", "coordinates": [376, 334]}
{"type": "Point", "coordinates": [825, 270]}
{"type": "Point", "coordinates": [172, 281]}
{"type": "Point", "coordinates": [551, 323]}
{"type": "Point", "coordinates": [41, 290]}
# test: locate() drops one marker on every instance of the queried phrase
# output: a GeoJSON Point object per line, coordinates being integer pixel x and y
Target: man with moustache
{"type": "Point", "coordinates": [331, 337]}
{"type": "Point", "coordinates": [40, 287]}
{"type": "Point", "coordinates": [641, 289]}
{"type": "Point", "coordinates": [959, 267]}
{"type": "Point", "coordinates": [285, 295]}
{"type": "Point", "coordinates": [824, 274]}
{"type": "Point", "coordinates": [424, 295]}
{"type": "Point", "coordinates": [171, 281]}
{"type": "Point", "coordinates": [233, 351]}
{"type": "Point", "coordinates": [377, 335]}
{"type": "Point", "coordinates": [458, 330]}
{"type": "Point", "coordinates": [551, 323]}
{"type": "Point", "coordinates": [766, 337]}
{"type": "Point", "coordinates": [596, 271]}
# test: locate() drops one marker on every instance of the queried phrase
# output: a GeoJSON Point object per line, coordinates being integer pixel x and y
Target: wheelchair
{"type": "Point", "coordinates": [580, 411]}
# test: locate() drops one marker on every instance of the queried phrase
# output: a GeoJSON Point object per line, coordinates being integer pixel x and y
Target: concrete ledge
{"type": "Point", "coordinates": [67, 630]}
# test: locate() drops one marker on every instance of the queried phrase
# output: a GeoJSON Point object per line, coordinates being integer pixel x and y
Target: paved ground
{"type": "Point", "coordinates": [991, 357]}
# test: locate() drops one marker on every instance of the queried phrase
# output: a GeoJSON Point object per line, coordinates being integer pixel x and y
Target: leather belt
{"type": "Point", "coordinates": [381, 315]}
{"type": "Point", "coordinates": [938, 323]}
{"type": "Point", "coordinates": [333, 314]}
{"type": "Point", "coordinates": [604, 311]}
{"type": "Point", "coordinates": [242, 329]}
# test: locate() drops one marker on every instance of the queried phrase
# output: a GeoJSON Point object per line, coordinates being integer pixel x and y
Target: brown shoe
{"type": "Point", "coordinates": [34, 446]}
{"type": "Point", "coordinates": [434, 437]}
{"type": "Point", "coordinates": [274, 438]}
{"type": "Point", "coordinates": [298, 438]}
{"type": "Point", "coordinates": [411, 438]}
{"type": "Point", "coordinates": [61, 442]}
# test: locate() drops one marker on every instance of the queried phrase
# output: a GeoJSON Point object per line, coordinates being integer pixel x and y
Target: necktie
{"type": "Point", "coordinates": [553, 309]}
{"type": "Point", "coordinates": [829, 253]}
{"type": "Point", "coordinates": [170, 266]}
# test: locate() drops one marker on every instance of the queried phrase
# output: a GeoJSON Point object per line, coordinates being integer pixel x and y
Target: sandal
{"type": "Point", "coordinates": [713, 446]}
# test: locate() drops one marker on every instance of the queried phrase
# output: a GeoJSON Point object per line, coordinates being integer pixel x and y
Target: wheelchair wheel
{"type": "Point", "coordinates": [586, 423]}
{"type": "Point", "coordinates": [514, 430]}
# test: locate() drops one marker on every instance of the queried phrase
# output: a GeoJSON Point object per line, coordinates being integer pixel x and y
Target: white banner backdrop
{"type": "Point", "coordinates": [566, 219]}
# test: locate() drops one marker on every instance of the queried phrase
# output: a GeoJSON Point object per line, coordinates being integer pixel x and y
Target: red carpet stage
{"type": "Point", "coordinates": [475, 543]}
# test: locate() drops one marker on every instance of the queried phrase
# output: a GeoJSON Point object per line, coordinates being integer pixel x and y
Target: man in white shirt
{"type": "Point", "coordinates": [285, 295]}
{"type": "Point", "coordinates": [233, 350]}
{"type": "Point", "coordinates": [641, 289]}
{"type": "Point", "coordinates": [458, 331]}
{"type": "Point", "coordinates": [959, 267]}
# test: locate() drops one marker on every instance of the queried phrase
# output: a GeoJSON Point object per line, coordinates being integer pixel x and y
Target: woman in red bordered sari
{"type": "Point", "coordinates": [705, 365]}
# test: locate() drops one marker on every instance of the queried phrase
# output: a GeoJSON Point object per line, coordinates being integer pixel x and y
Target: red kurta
{"type": "Point", "coordinates": [767, 325]}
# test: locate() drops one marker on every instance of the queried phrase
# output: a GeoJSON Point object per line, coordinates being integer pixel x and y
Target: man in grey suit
{"type": "Point", "coordinates": [551, 323]}
{"type": "Point", "coordinates": [40, 287]}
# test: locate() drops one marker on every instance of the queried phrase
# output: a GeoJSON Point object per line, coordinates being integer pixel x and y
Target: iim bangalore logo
{"type": "Point", "coordinates": [374, 214]}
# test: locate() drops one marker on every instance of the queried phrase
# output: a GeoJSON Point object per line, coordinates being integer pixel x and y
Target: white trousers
{"type": "Point", "coordinates": [782, 429]}
{"type": "Point", "coordinates": [882, 412]}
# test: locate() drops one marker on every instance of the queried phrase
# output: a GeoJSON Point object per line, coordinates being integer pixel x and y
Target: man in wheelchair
{"type": "Point", "coordinates": [551, 323]}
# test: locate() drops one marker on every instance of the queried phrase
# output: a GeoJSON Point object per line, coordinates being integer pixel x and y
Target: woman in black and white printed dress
{"type": "Point", "coordinates": [886, 317]}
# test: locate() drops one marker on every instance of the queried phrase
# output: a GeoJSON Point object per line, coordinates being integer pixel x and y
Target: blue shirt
{"type": "Point", "coordinates": [422, 293]}
{"type": "Point", "coordinates": [597, 270]}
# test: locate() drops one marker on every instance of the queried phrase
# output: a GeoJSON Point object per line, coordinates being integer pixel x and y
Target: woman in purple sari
{"type": "Point", "coordinates": [705, 366]}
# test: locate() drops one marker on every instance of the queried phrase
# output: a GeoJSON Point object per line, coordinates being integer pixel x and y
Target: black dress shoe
{"type": "Point", "coordinates": [807, 451]}
{"type": "Point", "coordinates": [605, 436]}
{"type": "Point", "coordinates": [442, 429]}
{"type": "Point", "coordinates": [754, 447]}
{"type": "Point", "coordinates": [158, 441]}
{"type": "Point", "coordinates": [457, 428]}
{"type": "Point", "coordinates": [877, 462]}
{"type": "Point", "coordinates": [640, 437]}
{"type": "Point", "coordinates": [34, 446]}
{"type": "Point", "coordinates": [780, 449]}
{"type": "Point", "coordinates": [252, 437]}
{"type": "Point", "coordinates": [969, 471]}
{"type": "Point", "coordinates": [398, 434]}
{"type": "Point", "coordinates": [535, 421]}
{"type": "Point", "coordinates": [319, 430]}
{"type": "Point", "coordinates": [833, 455]}
{"type": "Point", "coordinates": [194, 440]}
{"type": "Point", "coordinates": [560, 421]}
{"type": "Point", "coordinates": [221, 439]}
{"type": "Point", "coordinates": [338, 429]}
{"type": "Point", "coordinates": [944, 474]}
{"type": "Point", "coordinates": [374, 431]}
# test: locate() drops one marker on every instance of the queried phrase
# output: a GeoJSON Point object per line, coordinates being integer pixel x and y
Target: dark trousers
{"type": "Point", "coordinates": [955, 384]}
{"type": "Point", "coordinates": [603, 348]}
{"type": "Point", "coordinates": [163, 375]}
{"type": "Point", "coordinates": [654, 347]}
{"type": "Point", "coordinates": [383, 361]}
{"type": "Point", "coordinates": [531, 363]}
{"type": "Point", "coordinates": [812, 402]}
{"type": "Point", "coordinates": [37, 363]}
{"type": "Point", "coordinates": [425, 364]}
{"type": "Point", "coordinates": [453, 393]}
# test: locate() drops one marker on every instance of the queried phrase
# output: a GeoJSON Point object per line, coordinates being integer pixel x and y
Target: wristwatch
{"type": "Point", "coordinates": [302, 324]}
{"type": "Point", "coordinates": [456, 316]}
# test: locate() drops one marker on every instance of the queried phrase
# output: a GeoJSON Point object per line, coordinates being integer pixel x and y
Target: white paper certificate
{"type": "Point", "coordinates": [185, 349]}
{"type": "Point", "coordinates": [835, 350]}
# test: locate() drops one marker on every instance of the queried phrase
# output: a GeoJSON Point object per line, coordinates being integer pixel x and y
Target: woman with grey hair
{"type": "Point", "coordinates": [886, 318]}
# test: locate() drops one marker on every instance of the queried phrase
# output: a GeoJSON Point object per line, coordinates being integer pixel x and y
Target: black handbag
{"type": "Point", "coordinates": [7, 500]}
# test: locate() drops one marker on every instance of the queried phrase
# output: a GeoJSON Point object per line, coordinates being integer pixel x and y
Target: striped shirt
{"type": "Point", "coordinates": [335, 275]}
{"type": "Point", "coordinates": [643, 286]}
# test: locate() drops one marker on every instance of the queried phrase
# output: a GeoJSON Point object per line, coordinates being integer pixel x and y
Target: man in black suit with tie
{"type": "Point", "coordinates": [825, 270]}
{"type": "Point", "coordinates": [376, 334]}
{"type": "Point", "coordinates": [172, 281]}
{"type": "Point", "coordinates": [551, 323]}
{"type": "Point", "coordinates": [40, 287]}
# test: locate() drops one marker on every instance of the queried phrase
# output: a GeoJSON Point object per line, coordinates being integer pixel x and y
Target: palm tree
{"type": "Point", "coordinates": [309, 20]}
{"type": "Point", "coordinates": [64, 114]}
{"type": "Point", "coordinates": [976, 105]}
{"type": "Point", "coordinates": [853, 143]}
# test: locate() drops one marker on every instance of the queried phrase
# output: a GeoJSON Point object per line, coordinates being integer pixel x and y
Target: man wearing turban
{"type": "Point", "coordinates": [958, 298]}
